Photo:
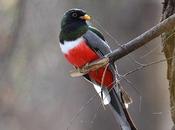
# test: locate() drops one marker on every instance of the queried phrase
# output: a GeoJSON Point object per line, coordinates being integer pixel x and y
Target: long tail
{"type": "Point", "coordinates": [120, 112]}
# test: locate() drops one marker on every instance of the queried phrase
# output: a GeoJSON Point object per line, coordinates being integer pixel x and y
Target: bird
{"type": "Point", "coordinates": [82, 44]}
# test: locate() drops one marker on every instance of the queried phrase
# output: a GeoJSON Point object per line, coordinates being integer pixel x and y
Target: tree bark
{"type": "Point", "coordinates": [168, 40]}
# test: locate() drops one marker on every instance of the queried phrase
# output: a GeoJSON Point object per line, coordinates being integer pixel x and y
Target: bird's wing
{"type": "Point", "coordinates": [95, 42]}
{"type": "Point", "coordinates": [97, 32]}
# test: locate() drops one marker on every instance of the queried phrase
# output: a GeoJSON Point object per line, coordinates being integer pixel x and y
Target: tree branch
{"type": "Point", "coordinates": [141, 40]}
{"type": "Point", "coordinates": [169, 51]}
{"type": "Point", "coordinates": [129, 47]}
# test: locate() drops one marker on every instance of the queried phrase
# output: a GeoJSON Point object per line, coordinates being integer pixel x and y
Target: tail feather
{"type": "Point", "coordinates": [120, 112]}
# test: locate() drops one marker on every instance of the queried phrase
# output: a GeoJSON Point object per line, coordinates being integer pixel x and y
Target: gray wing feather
{"type": "Point", "coordinates": [96, 43]}
{"type": "Point", "coordinates": [99, 45]}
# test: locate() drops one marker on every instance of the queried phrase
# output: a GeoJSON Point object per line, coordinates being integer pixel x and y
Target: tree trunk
{"type": "Point", "coordinates": [168, 40]}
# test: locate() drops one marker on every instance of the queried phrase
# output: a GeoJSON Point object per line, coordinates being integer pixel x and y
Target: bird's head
{"type": "Point", "coordinates": [74, 16]}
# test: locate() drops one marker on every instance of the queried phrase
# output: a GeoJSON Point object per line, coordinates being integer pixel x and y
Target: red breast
{"type": "Point", "coordinates": [81, 55]}
{"type": "Point", "coordinates": [78, 53]}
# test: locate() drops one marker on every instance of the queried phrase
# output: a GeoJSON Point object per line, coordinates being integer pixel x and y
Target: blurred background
{"type": "Point", "coordinates": [36, 91]}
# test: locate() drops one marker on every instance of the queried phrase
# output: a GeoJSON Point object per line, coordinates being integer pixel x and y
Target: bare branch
{"type": "Point", "coordinates": [127, 48]}
{"type": "Point", "coordinates": [144, 38]}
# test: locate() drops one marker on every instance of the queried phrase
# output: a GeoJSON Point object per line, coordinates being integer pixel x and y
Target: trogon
{"type": "Point", "coordinates": [81, 44]}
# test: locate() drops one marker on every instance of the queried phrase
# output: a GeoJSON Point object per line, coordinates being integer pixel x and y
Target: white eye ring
{"type": "Point", "coordinates": [74, 14]}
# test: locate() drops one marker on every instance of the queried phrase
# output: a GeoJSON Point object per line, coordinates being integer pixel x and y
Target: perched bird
{"type": "Point", "coordinates": [82, 44]}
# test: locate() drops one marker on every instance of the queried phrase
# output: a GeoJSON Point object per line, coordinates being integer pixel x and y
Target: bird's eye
{"type": "Point", "coordinates": [74, 15]}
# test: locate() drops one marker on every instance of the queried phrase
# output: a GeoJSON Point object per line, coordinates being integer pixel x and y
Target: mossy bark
{"type": "Point", "coordinates": [168, 40]}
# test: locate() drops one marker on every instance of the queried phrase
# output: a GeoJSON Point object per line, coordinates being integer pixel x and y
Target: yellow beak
{"type": "Point", "coordinates": [86, 17]}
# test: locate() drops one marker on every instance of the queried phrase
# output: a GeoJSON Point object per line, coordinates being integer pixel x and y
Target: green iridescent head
{"type": "Point", "coordinates": [73, 24]}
